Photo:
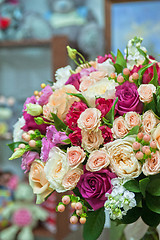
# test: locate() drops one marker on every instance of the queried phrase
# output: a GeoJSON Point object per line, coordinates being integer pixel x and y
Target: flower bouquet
{"type": "Point", "coordinates": [96, 132]}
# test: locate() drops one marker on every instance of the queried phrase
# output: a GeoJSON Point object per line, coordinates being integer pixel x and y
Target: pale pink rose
{"type": "Point", "coordinates": [119, 127]}
{"type": "Point", "coordinates": [132, 119]}
{"type": "Point", "coordinates": [91, 140]}
{"type": "Point", "coordinates": [97, 160]}
{"type": "Point", "coordinates": [156, 135]}
{"type": "Point", "coordinates": [60, 101]}
{"type": "Point", "coordinates": [146, 92]}
{"type": "Point", "coordinates": [75, 156]}
{"type": "Point", "coordinates": [89, 120]}
{"type": "Point", "coordinates": [38, 181]}
{"type": "Point", "coordinates": [152, 165]}
{"type": "Point", "coordinates": [98, 75]}
{"type": "Point", "coordinates": [123, 161]}
{"type": "Point", "coordinates": [71, 178]}
{"type": "Point", "coordinates": [47, 110]}
{"type": "Point", "coordinates": [149, 121]}
{"type": "Point", "coordinates": [86, 82]}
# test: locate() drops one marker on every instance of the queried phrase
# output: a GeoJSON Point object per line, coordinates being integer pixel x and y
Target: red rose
{"type": "Point", "coordinates": [104, 105]}
{"type": "Point", "coordinates": [106, 134]}
{"type": "Point", "coordinates": [76, 137]}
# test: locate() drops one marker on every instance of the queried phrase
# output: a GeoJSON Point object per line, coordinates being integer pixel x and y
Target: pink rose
{"type": "Point", "coordinates": [149, 121]}
{"type": "Point", "coordinates": [89, 120]}
{"type": "Point", "coordinates": [146, 92]}
{"type": "Point", "coordinates": [104, 105]}
{"type": "Point", "coordinates": [71, 178]}
{"type": "Point", "coordinates": [75, 156]}
{"type": "Point", "coordinates": [132, 119]}
{"type": "Point", "coordinates": [97, 160]}
{"type": "Point", "coordinates": [119, 127]}
{"type": "Point", "coordinates": [91, 140]}
{"type": "Point", "coordinates": [152, 165]}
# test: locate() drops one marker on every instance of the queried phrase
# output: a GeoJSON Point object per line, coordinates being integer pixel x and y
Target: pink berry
{"type": "Point", "coordinates": [32, 143]}
{"type": "Point", "coordinates": [120, 79]}
{"type": "Point", "coordinates": [140, 135]}
{"type": "Point", "coordinates": [126, 71]}
{"type": "Point", "coordinates": [73, 220]}
{"type": "Point", "coordinates": [22, 145]}
{"type": "Point", "coordinates": [16, 149]}
{"type": "Point", "coordinates": [113, 75]}
{"type": "Point", "coordinates": [61, 208]}
{"type": "Point", "coordinates": [26, 137]}
{"type": "Point", "coordinates": [139, 155]}
{"type": "Point", "coordinates": [144, 148]}
{"type": "Point", "coordinates": [135, 76]}
{"type": "Point", "coordinates": [73, 205]}
{"type": "Point", "coordinates": [66, 200]}
{"type": "Point", "coordinates": [147, 138]}
{"type": "Point", "coordinates": [31, 132]}
{"type": "Point", "coordinates": [136, 146]}
{"type": "Point", "coordinates": [130, 79]}
{"type": "Point", "coordinates": [153, 144]}
{"type": "Point", "coordinates": [148, 152]}
{"type": "Point", "coordinates": [82, 220]}
{"type": "Point", "coordinates": [78, 206]}
{"type": "Point", "coordinates": [78, 212]}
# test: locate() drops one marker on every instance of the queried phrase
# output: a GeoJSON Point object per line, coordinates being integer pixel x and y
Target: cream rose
{"type": "Point", "coordinates": [47, 110]}
{"type": "Point", "coordinates": [106, 66]}
{"type": "Point", "coordinates": [60, 101]}
{"type": "Point", "coordinates": [146, 92]}
{"type": "Point", "coordinates": [119, 127]}
{"type": "Point", "coordinates": [55, 168]}
{"type": "Point", "coordinates": [152, 165]}
{"type": "Point", "coordinates": [75, 156]}
{"type": "Point", "coordinates": [149, 121]}
{"type": "Point", "coordinates": [122, 158]}
{"type": "Point", "coordinates": [38, 181]}
{"type": "Point", "coordinates": [89, 120]}
{"type": "Point", "coordinates": [97, 76]}
{"type": "Point", "coordinates": [156, 135]}
{"type": "Point", "coordinates": [71, 178]}
{"type": "Point", "coordinates": [91, 140]}
{"type": "Point", "coordinates": [97, 160]}
{"type": "Point", "coordinates": [86, 83]}
{"type": "Point", "coordinates": [132, 119]}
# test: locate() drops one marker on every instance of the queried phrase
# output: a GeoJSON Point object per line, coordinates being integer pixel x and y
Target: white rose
{"type": "Point", "coordinates": [122, 158]}
{"type": "Point", "coordinates": [55, 168]}
{"type": "Point", "coordinates": [106, 67]}
{"type": "Point", "coordinates": [17, 132]}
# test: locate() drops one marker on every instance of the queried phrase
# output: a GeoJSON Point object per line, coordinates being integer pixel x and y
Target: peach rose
{"type": "Point", "coordinates": [61, 102]}
{"type": "Point", "coordinates": [156, 135]}
{"type": "Point", "coordinates": [149, 121]}
{"type": "Point", "coordinates": [91, 140]}
{"type": "Point", "coordinates": [97, 160]}
{"type": "Point", "coordinates": [132, 119]}
{"type": "Point", "coordinates": [152, 165]}
{"type": "Point", "coordinates": [38, 181]}
{"type": "Point", "coordinates": [71, 178]}
{"type": "Point", "coordinates": [86, 82]}
{"type": "Point", "coordinates": [75, 156]}
{"type": "Point", "coordinates": [47, 110]}
{"type": "Point", "coordinates": [123, 161]}
{"type": "Point", "coordinates": [89, 120]}
{"type": "Point", "coordinates": [146, 92]}
{"type": "Point", "coordinates": [97, 76]}
{"type": "Point", "coordinates": [119, 127]}
{"type": "Point", "coordinates": [56, 167]}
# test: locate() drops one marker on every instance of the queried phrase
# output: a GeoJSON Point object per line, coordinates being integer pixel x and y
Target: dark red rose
{"type": "Point", "coordinates": [106, 134]}
{"type": "Point", "coordinates": [104, 105]}
{"type": "Point", "coordinates": [76, 137]}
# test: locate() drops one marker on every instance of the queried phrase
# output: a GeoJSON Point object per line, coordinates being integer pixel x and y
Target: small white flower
{"type": "Point", "coordinates": [17, 131]}
{"type": "Point", "coordinates": [62, 75]}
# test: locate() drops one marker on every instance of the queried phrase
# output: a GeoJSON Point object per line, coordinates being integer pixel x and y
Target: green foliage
{"type": "Point", "coordinates": [149, 217]}
{"type": "Point", "coordinates": [94, 224]}
{"type": "Point", "coordinates": [133, 131]}
{"type": "Point", "coordinates": [132, 186]}
{"type": "Point", "coordinates": [132, 215]}
{"type": "Point", "coordinates": [80, 96]}
{"type": "Point", "coordinates": [120, 59]}
{"type": "Point", "coordinates": [153, 203]}
{"type": "Point", "coordinates": [58, 123]}
{"type": "Point", "coordinates": [143, 185]}
{"type": "Point", "coordinates": [110, 115]}
{"type": "Point", "coordinates": [154, 187]}
{"type": "Point", "coordinates": [142, 71]}
{"type": "Point", "coordinates": [118, 68]}
{"type": "Point", "coordinates": [146, 61]}
{"type": "Point", "coordinates": [154, 80]}
{"type": "Point", "coordinates": [14, 145]}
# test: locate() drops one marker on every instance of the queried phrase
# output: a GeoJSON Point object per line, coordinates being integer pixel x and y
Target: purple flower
{"type": "Point", "coordinates": [53, 137]}
{"type": "Point", "coordinates": [47, 92]}
{"type": "Point", "coordinates": [74, 80]}
{"type": "Point", "coordinates": [87, 71]}
{"type": "Point", "coordinates": [27, 159]}
{"type": "Point", "coordinates": [128, 99]}
{"type": "Point", "coordinates": [94, 185]}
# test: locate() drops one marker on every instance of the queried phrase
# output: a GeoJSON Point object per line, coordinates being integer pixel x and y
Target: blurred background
{"type": "Point", "coordinates": [33, 39]}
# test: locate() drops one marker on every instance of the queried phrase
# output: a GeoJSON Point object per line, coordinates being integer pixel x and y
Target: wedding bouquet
{"type": "Point", "coordinates": [96, 132]}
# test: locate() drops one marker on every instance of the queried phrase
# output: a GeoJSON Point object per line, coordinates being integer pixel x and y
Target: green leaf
{"type": "Point", "coordinates": [150, 218]}
{"type": "Point", "coordinates": [153, 203]}
{"type": "Point", "coordinates": [146, 61]}
{"type": "Point", "coordinates": [151, 105]}
{"type": "Point", "coordinates": [131, 216]}
{"type": "Point", "coordinates": [120, 59]}
{"type": "Point", "coordinates": [58, 123]}
{"type": "Point", "coordinates": [143, 185]}
{"type": "Point", "coordinates": [94, 224]}
{"type": "Point", "coordinates": [133, 131]}
{"type": "Point", "coordinates": [80, 96]}
{"type": "Point", "coordinates": [154, 80]}
{"type": "Point", "coordinates": [17, 154]}
{"type": "Point", "coordinates": [118, 68]}
{"type": "Point", "coordinates": [154, 187]}
{"type": "Point", "coordinates": [113, 55]}
{"type": "Point", "coordinates": [110, 115]}
{"type": "Point", "coordinates": [67, 141]}
{"type": "Point", "coordinates": [132, 186]}
{"type": "Point", "coordinates": [142, 71]}
{"type": "Point", "coordinates": [14, 145]}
